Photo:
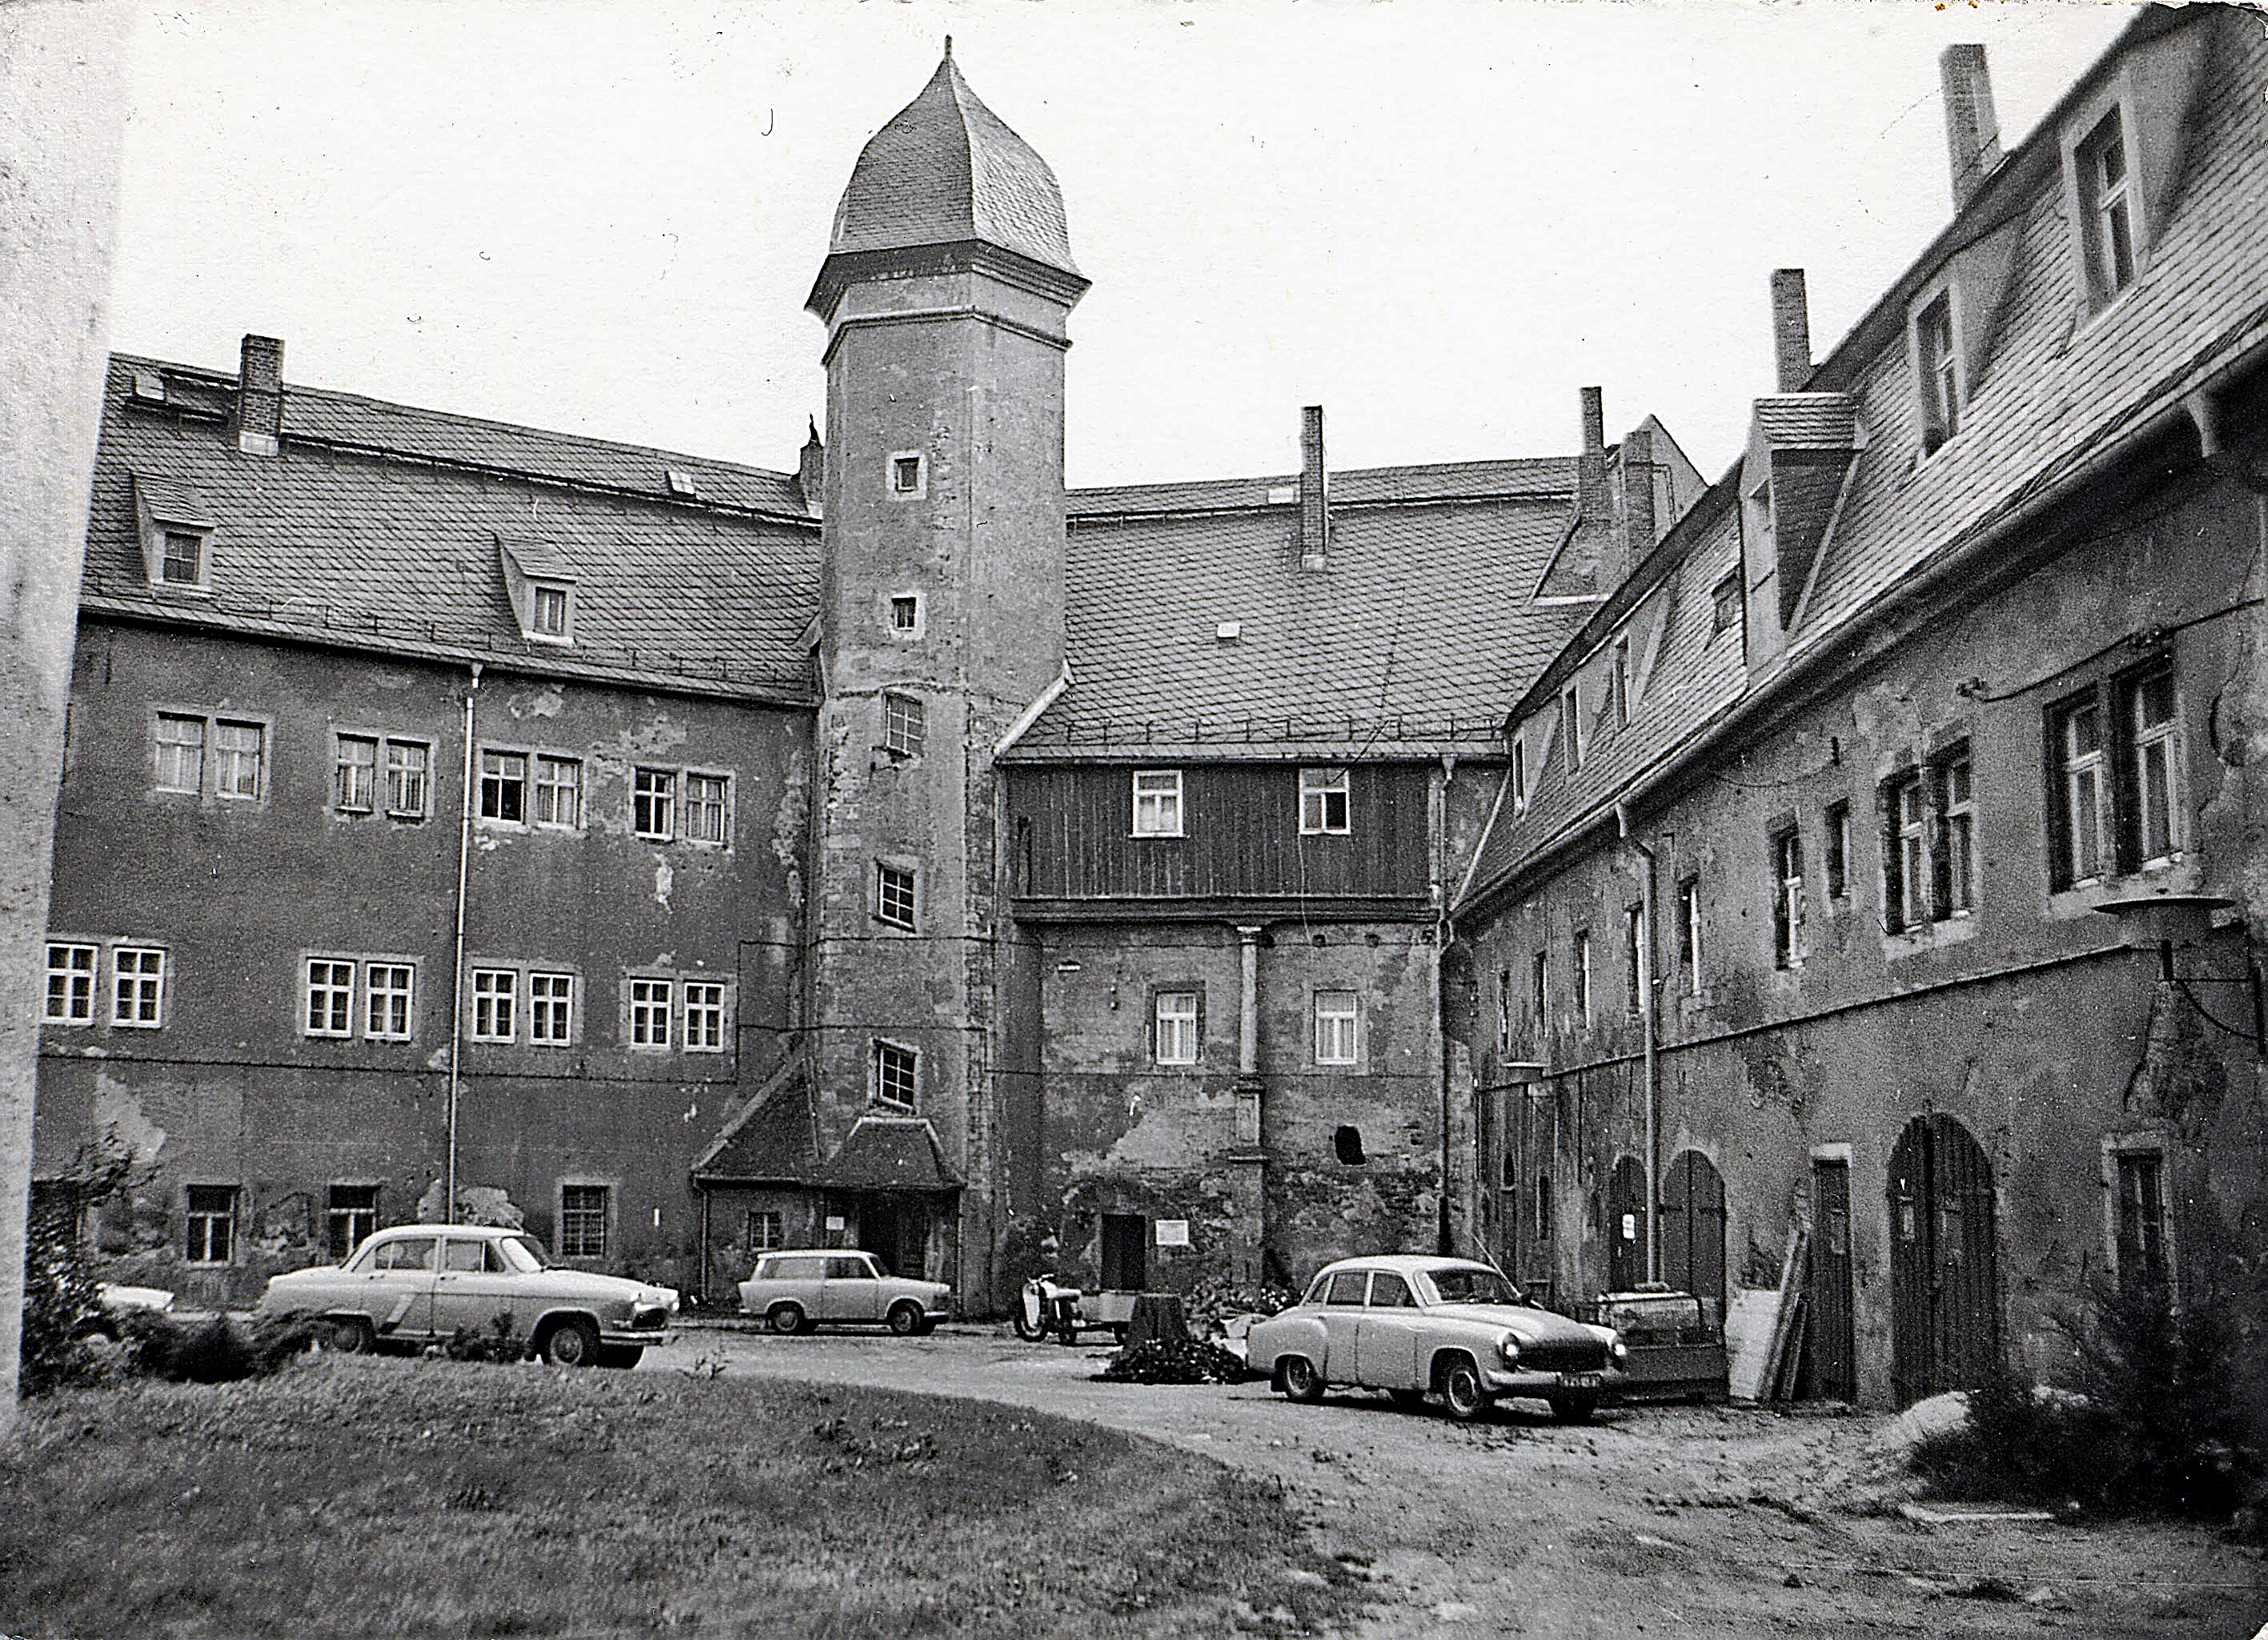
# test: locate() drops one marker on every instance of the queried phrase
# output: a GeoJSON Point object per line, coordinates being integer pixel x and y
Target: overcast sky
{"type": "Point", "coordinates": [1438, 218]}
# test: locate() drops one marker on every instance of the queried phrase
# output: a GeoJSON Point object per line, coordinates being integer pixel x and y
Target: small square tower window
{"type": "Point", "coordinates": [906, 473]}
{"type": "Point", "coordinates": [896, 1074]}
{"type": "Point", "coordinates": [905, 615]}
{"type": "Point", "coordinates": [904, 725]}
{"type": "Point", "coordinates": [893, 894]}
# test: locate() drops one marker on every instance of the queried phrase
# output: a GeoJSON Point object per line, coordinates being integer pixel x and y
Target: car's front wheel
{"type": "Point", "coordinates": [1574, 1408]}
{"type": "Point", "coordinates": [572, 1343]}
{"type": "Point", "coordinates": [788, 1318]}
{"type": "Point", "coordinates": [349, 1335]}
{"type": "Point", "coordinates": [1297, 1378]}
{"type": "Point", "coordinates": [1461, 1392]}
{"type": "Point", "coordinates": [905, 1318]}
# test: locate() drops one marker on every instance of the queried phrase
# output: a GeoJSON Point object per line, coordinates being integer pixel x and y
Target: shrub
{"type": "Point", "coordinates": [215, 1350]}
{"type": "Point", "coordinates": [1172, 1361]}
{"type": "Point", "coordinates": [499, 1341]}
{"type": "Point", "coordinates": [60, 1298]}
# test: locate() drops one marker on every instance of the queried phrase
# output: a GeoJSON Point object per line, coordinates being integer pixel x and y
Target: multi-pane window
{"type": "Point", "coordinates": [1837, 848]}
{"type": "Point", "coordinates": [329, 998]}
{"type": "Point", "coordinates": [2083, 792]}
{"type": "Point", "coordinates": [1787, 899]}
{"type": "Point", "coordinates": [1176, 1041]}
{"type": "Point", "coordinates": [389, 996]}
{"type": "Point", "coordinates": [765, 1229]}
{"type": "Point", "coordinates": [1336, 1021]}
{"type": "Point", "coordinates": [137, 987]}
{"type": "Point", "coordinates": [503, 787]}
{"type": "Point", "coordinates": [1689, 933]}
{"type": "Point", "coordinates": [650, 1005]}
{"type": "Point", "coordinates": [2140, 1219]}
{"type": "Point", "coordinates": [180, 753]}
{"type": "Point", "coordinates": [550, 1009]}
{"type": "Point", "coordinates": [495, 1004]}
{"type": "Point", "coordinates": [1940, 373]}
{"type": "Point", "coordinates": [583, 1217]}
{"type": "Point", "coordinates": [904, 723]}
{"type": "Point", "coordinates": [184, 564]}
{"type": "Point", "coordinates": [1157, 802]}
{"type": "Point", "coordinates": [212, 1224]}
{"type": "Point", "coordinates": [905, 613]}
{"type": "Point", "coordinates": [653, 801]}
{"type": "Point", "coordinates": [354, 785]}
{"type": "Point", "coordinates": [1323, 802]}
{"type": "Point", "coordinates": [895, 1071]}
{"type": "Point", "coordinates": [1634, 956]}
{"type": "Point", "coordinates": [550, 613]}
{"type": "Point", "coordinates": [239, 754]}
{"type": "Point", "coordinates": [707, 797]}
{"type": "Point", "coordinates": [2156, 776]}
{"type": "Point", "coordinates": [704, 1016]}
{"type": "Point", "coordinates": [350, 1216]}
{"type": "Point", "coordinates": [893, 894]}
{"type": "Point", "coordinates": [70, 984]}
{"type": "Point", "coordinates": [1581, 973]}
{"type": "Point", "coordinates": [407, 762]}
{"type": "Point", "coordinates": [2114, 790]}
{"type": "Point", "coordinates": [1957, 788]}
{"type": "Point", "coordinates": [558, 791]}
{"type": "Point", "coordinates": [2109, 202]}
{"type": "Point", "coordinates": [1906, 866]}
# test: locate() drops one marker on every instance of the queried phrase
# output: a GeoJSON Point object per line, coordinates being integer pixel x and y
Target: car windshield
{"type": "Point", "coordinates": [1460, 1285]}
{"type": "Point", "coordinates": [523, 1253]}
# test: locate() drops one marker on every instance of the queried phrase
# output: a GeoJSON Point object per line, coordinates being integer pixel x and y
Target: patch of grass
{"type": "Point", "coordinates": [349, 1496]}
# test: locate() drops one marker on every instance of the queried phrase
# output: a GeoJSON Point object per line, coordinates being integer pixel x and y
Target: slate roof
{"type": "Point", "coordinates": [377, 528]}
{"type": "Point", "coordinates": [772, 1141]}
{"type": "Point", "coordinates": [1809, 421]}
{"type": "Point", "coordinates": [2058, 391]}
{"type": "Point", "coordinates": [947, 170]}
{"type": "Point", "coordinates": [889, 1153]}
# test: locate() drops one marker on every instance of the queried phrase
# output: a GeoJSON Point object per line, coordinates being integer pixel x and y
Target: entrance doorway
{"type": "Point", "coordinates": [1829, 1350]}
{"type": "Point", "coordinates": [1944, 1292]}
{"type": "Point", "coordinates": [1626, 1225]}
{"type": "Point", "coordinates": [896, 1229]}
{"type": "Point", "coordinates": [1693, 1228]}
{"type": "Point", "coordinates": [1125, 1252]}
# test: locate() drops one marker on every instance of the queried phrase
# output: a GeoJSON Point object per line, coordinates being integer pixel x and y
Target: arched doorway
{"type": "Point", "coordinates": [1626, 1226]}
{"type": "Point", "coordinates": [1693, 1228]}
{"type": "Point", "coordinates": [1944, 1297]}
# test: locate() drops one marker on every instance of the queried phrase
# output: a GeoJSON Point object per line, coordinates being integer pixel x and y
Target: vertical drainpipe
{"type": "Point", "coordinates": [1247, 1080]}
{"type": "Point", "coordinates": [1649, 996]}
{"type": "Point", "coordinates": [457, 1003]}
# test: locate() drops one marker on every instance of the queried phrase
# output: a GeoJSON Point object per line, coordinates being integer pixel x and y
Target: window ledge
{"type": "Point", "coordinates": [1931, 937]}
{"type": "Point", "coordinates": [2184, 875]}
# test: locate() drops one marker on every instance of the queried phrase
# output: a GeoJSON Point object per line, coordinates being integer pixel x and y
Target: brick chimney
{"type": "Point", "coordinates": [260, 395]}
{"type": "Point", "coordinates": [1790, 311]}
{"type": "Point", "coordinates": [811, 473]}
{"type": "Point", "coordinates": [1592, 497]}
{"type": "Point", "coordinates": [1314, 499]}
{"type": "Point", "coordinates": [1636, 471]}
{"type": "Point", "coordinates": [1972, 134]}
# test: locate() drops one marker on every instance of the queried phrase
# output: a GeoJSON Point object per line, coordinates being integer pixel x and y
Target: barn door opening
{"type": "Point", "coordinates": [1693, 1228]}
{"type": "Point", "coordinates": [1626, 1225]}
{"type": "Point", "coordinates": [1944, 1293]}
{"type": "Point", "coordinates": [1829, 1350]}
{"type": "Point", "coordinates": [1125, 1252]}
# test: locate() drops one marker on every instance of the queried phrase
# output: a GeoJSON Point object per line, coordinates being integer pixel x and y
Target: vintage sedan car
{"type": "Point", "coordinates": [422, 1283]}
{"type": "Point", "coordinates": [796, 1289]}
{"type": "Point", "coordinates": [1414, 1327]}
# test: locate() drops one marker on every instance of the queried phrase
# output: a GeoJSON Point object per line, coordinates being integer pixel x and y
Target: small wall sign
{"type": "Point", "coordinates": [1173, 1232]}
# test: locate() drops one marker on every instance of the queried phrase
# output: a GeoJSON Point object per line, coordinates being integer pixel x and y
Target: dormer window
{"type": "Point", "coordinates": [2109, 203]}
{"type": "Point", "coordinates": [681, 482]}
{"type": "Point", "coordinates": [176, 530]}
{"type": "Point", "coordinates": [1937, 361]}
{"type": "Point", "coordinates": [1724, 605]}
{"type": "Point", "coordinates": [541, 581]}
{"type": "Point", "coordinates": [184, 563]}
{"type": "Point", "coordinates": [549, 618]}
{"type": "Point", "coordinates": [1571, 725]}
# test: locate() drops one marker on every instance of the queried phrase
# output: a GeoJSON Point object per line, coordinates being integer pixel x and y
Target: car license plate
{"type": "Point", "coordinates": [1580, 1380]}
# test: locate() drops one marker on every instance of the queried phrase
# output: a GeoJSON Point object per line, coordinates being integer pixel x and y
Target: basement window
{"type": "Point", "coordinates": [1347, 1144]}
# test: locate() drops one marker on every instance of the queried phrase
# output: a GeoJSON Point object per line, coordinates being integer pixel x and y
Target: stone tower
{"type": "Point", "coordinates": [945, 292]}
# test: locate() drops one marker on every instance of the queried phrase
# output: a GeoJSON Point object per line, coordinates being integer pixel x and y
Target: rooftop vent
{"type": "Point", "coordinates": [150, 386]}
{"type": "Point", "coordinates": [1229, 631]}
{"type": "Point", "coordinates": [681, 482]}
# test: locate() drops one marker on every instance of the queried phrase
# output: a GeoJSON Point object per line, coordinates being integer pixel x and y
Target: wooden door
{"type": "Point", "coordinates": [1125, 1252]}
{"type": "Point", "coordinates": [1626, 1225]}
{"type": "Point", "coordinates": [1828, 1345]}
{"type": "Point", "coordinates": [1693, 1229]}
{"type": "Point", "coordinates": [1944, 1291]}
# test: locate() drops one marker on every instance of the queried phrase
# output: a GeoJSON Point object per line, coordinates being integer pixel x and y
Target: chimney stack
{"type": "Point", "coordinates": [1315, 501]}
{"type": "Point", "coordinates": [1790, 311]}
{"type": "Point", "coordinates": [260, 395]}
{"type": "Point", "coordinates": [1972, 134]}
{"type": "Point", "coordinates": [1593, 501]}
{"type": "Point", "coordinates": [1637, 472]}
{"type": "Point", "coordinates": [811, 473]}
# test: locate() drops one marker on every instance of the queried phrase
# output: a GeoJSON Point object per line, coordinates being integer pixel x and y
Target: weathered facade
{"type": "Point", "coordinates": [1803, 914]}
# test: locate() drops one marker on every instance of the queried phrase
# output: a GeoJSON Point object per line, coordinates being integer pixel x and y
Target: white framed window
{"type": "Point", "coordinates": [653, 804]}
{"type": "Point", "coordinates": [2107, 200]}
{"type": "Point", "coordinates": [1175, 1016]}
{"type": "Point", "coordinates": [1337, 1025]}
{"type": "Point", "coordinates": [707, 803]}
{"type": "Point", "coordinates": [904, 615]}
{"type": "Point", "coordinates": [1157, 802]}
{"type": "Point", "coordinates": [351, 1218]}
{"type": "Point", "coordinates": [1571, 725]}
{"type": "Point", "coordinates": [180, 753]}
{"type": "Point", "coordinates": [2155, 763]}
{"type": "Point", "coordinates": [329, 997]}
{"type": "Point", "coordinates": [70, 975]}
{"type": "Point", "coordinates": [652, 1003]}
{"type": "Point", "coordinates": [495, 1004]}
{"type": "Point", "coordinates": [585, 1212]}
{"type": "Point", "coordinates": [893, 894]}
{"type": "Point", "coordinates": [1937, 363]}
{"type": "Point", "coordinates": [2082, 794]}
{"type": "Point", "coordinates": [550, 1008]}
{"type": "Point", "coordinates": [354, 782]}
{"type": "Point", "coordinates": [1725, 606]}
{"type": "Point", "coordinates": [1907, 893]}
{"type": "Point", "coordinates": [896, 1074]}
{"type": "Point", "coordinates": [212, 1224]}
{"type": "Point", "coordinates": [240, 759]}
{"type": "Point", "coordinates": [765, 1229]}
{"type": "Point", "coordinates": [558, 792]}
{"type": "Point", "coordinates": [1323, 802]}
{"type": "Point", "coordinates": [704, 1016]}
{"type": "Point", "coordinates": [904, 725]}
{"type": "Point", "coordinates": [389, 1001]}
{"type": "Point", "coordinates": [1787, 899]}
{"type": "Point", "coordinates": [183, 564]}
{"type": "Point", "coordinates": [1957, 788]}
{"type": "Point", "coordinates": [407, 764]}
{"type": "Point", "coordinates": [137, 987]}
{"type": "Point", "coordinates": [1519, 776]}
{"type": "Point", "coordinates": [547, 612]}
{"type": "Point", "coordinates": [503, 788]}
{"type": "Point", "coordinates": [1689, 933]}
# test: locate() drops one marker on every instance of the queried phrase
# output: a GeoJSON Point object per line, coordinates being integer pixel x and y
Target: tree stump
{"type": "Point", "coordinates": [1159, 1315]}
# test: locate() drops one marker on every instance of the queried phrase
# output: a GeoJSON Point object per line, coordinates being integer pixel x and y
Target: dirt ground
{"type": "Point", "coordinates": [1671, 1521]}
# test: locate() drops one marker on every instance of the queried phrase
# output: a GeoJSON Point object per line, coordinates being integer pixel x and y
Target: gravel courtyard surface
{"type": "Point", "coordinates": [1672, 1521]}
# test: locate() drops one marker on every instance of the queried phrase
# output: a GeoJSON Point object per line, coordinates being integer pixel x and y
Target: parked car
{"type": "Point", "coordinates": [796, 1289]}
{"type": "Point", "coordinates": [114, 1302]}
{"type": "Point", "coordinates": [1414, 1327]}
{"type": "Point", "coordinates": [421, 1283]}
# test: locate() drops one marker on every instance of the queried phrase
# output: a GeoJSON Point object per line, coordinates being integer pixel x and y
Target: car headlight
{"type": "Point", "coordinates": [1508, 1347]}
{"type": "Point", "coordinates": [1619, 1350]}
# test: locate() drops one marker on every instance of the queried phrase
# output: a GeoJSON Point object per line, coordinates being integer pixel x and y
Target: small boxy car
{"type": "Point", "coordinates": [1453, 1328]}
{"type": "Point", "coordinates": [796, 1289]}
{"type": "Point", "coordinates": [421, 1283]}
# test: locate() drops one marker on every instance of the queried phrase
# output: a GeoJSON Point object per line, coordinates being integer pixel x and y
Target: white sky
{"type": "Point", "coordinates": [1438, 218]}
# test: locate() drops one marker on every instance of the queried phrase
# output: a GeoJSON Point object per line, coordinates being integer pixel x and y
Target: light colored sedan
{"type": "Point", "coordinates": [795, 1289]}
{"type": "Point", "coordinates": [422, 1283]}
{"type": "Point", "coordinates": [1414, 1327]}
